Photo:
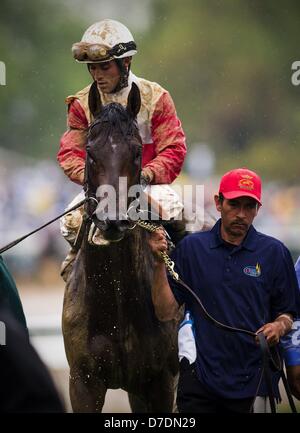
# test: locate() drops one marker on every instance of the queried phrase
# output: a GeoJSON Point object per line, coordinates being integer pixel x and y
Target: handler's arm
{"type": "Point", "coordinates": [282, 300]}
{"type": "Point", "coordinates": [165, 304]}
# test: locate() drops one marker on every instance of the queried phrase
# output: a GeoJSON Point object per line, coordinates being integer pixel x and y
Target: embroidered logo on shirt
{"type": "Point", "coordinates": [253, 271]}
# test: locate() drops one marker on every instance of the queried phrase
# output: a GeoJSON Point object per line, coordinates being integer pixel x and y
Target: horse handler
{"type": "Point", "coordinates": [107, 48]}
{"type": "Point", "coordinates": [245, 279]}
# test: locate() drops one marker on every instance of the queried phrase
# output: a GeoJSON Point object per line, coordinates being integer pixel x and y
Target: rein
{"type": "Point", "coordinates": [17, 241]}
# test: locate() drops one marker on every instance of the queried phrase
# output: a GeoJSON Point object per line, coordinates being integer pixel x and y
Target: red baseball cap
{"type": "Point", "coordinates": [239, 183]}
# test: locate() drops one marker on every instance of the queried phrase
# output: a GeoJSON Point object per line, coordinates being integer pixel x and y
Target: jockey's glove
{"type": "Point", "coordinates": [145, 180]}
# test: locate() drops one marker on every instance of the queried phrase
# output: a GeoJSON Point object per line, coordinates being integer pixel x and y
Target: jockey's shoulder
{"type": "Point", "coordinates": [149, 89]}
{"type": "Point", "coordinates": [145, 84]}
{"type": "Point", "coordinates": [151, 92]}
{"type": "Point", "coordinates": [80, 94]}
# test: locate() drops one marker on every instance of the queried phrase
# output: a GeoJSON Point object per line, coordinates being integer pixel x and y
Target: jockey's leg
{"type": "Point", "coordinates": [164, 206]}
{"type": "Point", "coordinates": [69, 227]}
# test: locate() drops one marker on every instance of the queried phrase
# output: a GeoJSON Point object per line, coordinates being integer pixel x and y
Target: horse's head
{"type": "Point", "coordinates": [113, 162]}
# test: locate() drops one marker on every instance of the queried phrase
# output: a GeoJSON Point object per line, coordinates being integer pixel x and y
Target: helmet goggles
{"type": "Point", "coordinates": [84, 52]}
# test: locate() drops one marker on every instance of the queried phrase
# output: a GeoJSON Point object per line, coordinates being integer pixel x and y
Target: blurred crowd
{"type": "Point", "coordinates": [30, 195]}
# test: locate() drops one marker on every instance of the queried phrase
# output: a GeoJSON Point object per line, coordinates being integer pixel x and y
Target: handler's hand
{"type": "Point", "coordinates": [272, 331]}
{"type": "Point", "coordinates": [158, 243]}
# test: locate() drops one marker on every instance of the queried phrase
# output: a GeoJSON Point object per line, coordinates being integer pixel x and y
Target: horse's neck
{"type": "Point", "coordinates": [121, 265]}
{"type": "Point", "coordinates": [117, 289]}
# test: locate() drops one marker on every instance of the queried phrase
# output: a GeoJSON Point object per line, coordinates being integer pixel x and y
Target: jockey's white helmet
{"type": "Point", "coordinates": [104, 41]}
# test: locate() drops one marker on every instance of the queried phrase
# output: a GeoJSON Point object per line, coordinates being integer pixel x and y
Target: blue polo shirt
{"type": "Point", "coordinates": [245, 286]}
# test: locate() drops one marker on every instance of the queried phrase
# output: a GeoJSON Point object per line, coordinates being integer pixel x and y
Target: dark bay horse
{"type": "Point", "coordinates": [111, 334]}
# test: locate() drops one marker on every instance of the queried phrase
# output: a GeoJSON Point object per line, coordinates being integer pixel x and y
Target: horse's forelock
{"type": "Point", "coordinates": [114, 116]}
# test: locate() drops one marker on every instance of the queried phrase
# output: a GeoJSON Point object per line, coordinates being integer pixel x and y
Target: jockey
{"type": "Point", "coordinates": [107, 48]}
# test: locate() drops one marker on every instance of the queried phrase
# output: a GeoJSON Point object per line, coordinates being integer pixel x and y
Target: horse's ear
{"type": "Point", "coordinates": [95, 103]}
{"type": "Point", "coordinates": [134, 101]}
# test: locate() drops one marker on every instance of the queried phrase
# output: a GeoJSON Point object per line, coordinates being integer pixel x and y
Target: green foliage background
{"type": "Point", "coordinates": [227, 64]}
